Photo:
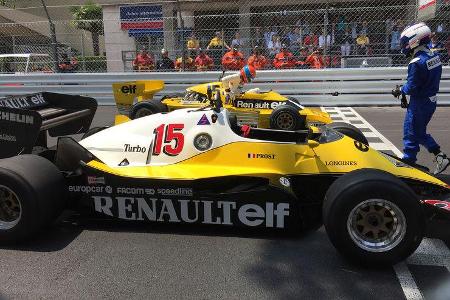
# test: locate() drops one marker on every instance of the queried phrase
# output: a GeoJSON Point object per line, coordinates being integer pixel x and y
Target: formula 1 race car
{"type": "Point", "coordinates": [199, 166]}
{"type": "Point", "coordinates": [263, 109]}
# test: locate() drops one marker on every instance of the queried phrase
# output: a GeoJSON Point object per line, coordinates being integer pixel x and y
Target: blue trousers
{"type": "Point", "coordinates": [417, 117]}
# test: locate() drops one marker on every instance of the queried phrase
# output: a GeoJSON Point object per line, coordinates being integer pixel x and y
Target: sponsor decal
{"type": "Point", "coordinates": [86, 189]}
{"type": "Point", "coordinates": [24, 101]}
{"type": "Point", "coordinates": [134, 191]}
{"type": "Point", "coordinates": [180, 191]}
{"type": "Point", "coordinates": [439, 203]}
{"type": "Point", "coordinates": [285, 182]}
{"type": "Point", "coordinates": [95, 180]}
{"type": "Point", "coordinates": [204, 120]}
{"type": "Point", "coordinates": [135, 149]}
{"type": "Point", "coordinates": [361, 147]}
{"type": "Point", "coordinates": [7, 138]}
{"type": "Point", "coordinates": [16, 118]}
{"type": "Point", "coordinates": [341, 163]}
{"type": "Point", "coordinates": [258, 104]}
{"type": "Point", "coordinates": [193, 211]}
{"type": "Point", "coordinates": [128, 89]}
{"type": "Point", "coordinates": [261, 155]}
{"type": "Point", "coordinates": [433, 63]}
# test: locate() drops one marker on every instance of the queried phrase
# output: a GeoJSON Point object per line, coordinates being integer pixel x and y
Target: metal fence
{"type": "Point", "coordinates": [108, 36]}
{"type": "Point", "coordinates": [330, 87]}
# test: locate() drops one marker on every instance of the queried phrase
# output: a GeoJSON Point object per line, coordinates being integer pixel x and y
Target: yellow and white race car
{"type": "Point", "coordinates": [262, 109]}
{"type": "Point", "coordinates": [199, 166]}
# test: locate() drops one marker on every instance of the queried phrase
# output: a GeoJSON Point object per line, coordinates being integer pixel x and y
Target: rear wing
{"type": "Point", "coordinates": [25, 120]}
{"type": "Point", "coordinates": [127, 93]}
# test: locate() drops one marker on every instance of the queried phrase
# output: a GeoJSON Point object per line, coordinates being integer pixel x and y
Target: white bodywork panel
{"type": "Point", "coordinates": [134, 140]}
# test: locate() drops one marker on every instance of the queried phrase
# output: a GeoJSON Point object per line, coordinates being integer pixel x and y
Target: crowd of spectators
{"type": "Point", "coordinates": [299, 46]}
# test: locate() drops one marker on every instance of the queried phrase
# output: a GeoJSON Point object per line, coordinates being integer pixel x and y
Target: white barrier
{"type": "Point", "coordinates": [354, 87]}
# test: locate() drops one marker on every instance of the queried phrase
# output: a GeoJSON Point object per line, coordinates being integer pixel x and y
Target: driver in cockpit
{"type": "Point", "coordinates": [232, 84]}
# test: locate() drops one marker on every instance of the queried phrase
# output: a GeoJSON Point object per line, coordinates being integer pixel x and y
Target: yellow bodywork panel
{"type": "Point", "coordinates": [265, 159]}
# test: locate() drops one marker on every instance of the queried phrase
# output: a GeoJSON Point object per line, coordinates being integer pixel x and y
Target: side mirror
{"type": "Point", "coordinates": [217, 102]}
{"type": "Point", "coordinates": [313, 143]}
{"type": "Point", "coordinates": [209, 92]}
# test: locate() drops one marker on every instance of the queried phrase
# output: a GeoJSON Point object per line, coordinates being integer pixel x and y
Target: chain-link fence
{"type": "Point", "coordinates": [116, 36]}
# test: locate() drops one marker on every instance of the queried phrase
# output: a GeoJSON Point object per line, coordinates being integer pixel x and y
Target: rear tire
{"type": "Point", "coordinates": [147, 108]}
{"type": "Point", "coordinates": [373, 218]}
{"type": "Point", "coordinates": [286, 117]}
{"type": "Point", "coordinates": [32, 195]}
{"type": "Point", "coordinates": [350, 131]}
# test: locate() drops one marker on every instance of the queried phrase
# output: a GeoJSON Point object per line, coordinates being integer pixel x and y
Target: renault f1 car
{"type": "Point", "coordinates": [199, 166]}
{"type": "Point", "coordinates": [263, 109]}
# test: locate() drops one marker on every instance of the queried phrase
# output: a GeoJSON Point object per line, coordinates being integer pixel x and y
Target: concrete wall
{"type": "Point", "coordinates": [116, 39]}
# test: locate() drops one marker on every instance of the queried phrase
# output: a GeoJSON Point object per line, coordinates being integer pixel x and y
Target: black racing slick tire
{"type": "Point", "coordinates": [147, 108]}
{"type": "Point", "coordinates": [350, 131]}
{"type": "Point", "coordinates": [32, 195]}
{"type": "Point", "coordinates": [93, 131]}
{"type": "Point", "coordinates": [286, 117]}
{"type": "Point", "coordinates": [373, 218]}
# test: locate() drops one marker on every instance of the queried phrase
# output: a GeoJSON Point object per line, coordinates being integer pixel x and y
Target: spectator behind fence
{"type": "Point", "coordinates": [217, 42]}
{"type": "Point", "coordinates": [438, 47]}
{"type": "Point", "coordinates": [325, 40]}
{"type": "Point", "coordinates": [258, 38]}
{"type": "Point", "coordinates": [268, 36]}
{"type": "Point", "coordinates": [165, 63]}
{"type": "Point", "coordinates": [311, 40]}
{"type": "Point", "coordinates": [284, 36]}
{"type": "Point", "coordinates": [203, 62]}
{"type": "Point", "coordinates": [447, 46]}
{"type": "Point", "coordinates": [237, 42]}
{"type": "Point", "coordinates": [233, 60]}
{"type": "Point", "coordinates": [143, 61]}
{"type": "Point", "coordinates": [188, 63]}
{"type": "Point", "coordinates": [284, 59]}
{"type": "Point", "coordinates": [394, 47]}
{"type": "Point", "coordinates": [274, 46]}
{"type": "Point", "coordinates": [362, 44]}
{"type": "Point", "coordinates": [295, 39]}
{"type": "Point", "coordinates": [345, 41]}
{"type": "Point", "coordinates": [315, 59]}
{"type": "Point", "coordinates": [364, 28]}
{"type": "Point", "coordinates": [257, 60]}
{"type": "Point", "coordinates": [193, 43]}
{"type": "Point", "coordinates": [67, 65]}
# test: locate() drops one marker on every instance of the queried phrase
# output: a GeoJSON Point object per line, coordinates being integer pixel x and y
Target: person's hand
{"type": "Point", "coordinates": [397, 91]}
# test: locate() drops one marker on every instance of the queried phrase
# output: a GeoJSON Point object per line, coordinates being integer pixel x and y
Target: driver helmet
{"type": "Point", "coordinates": [413, 37]}
{"type": "Point", "coordinates": [248, 73]}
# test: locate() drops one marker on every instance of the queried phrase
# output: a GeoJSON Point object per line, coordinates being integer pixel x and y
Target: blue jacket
{"type": "Point", "coordinates": [424, 75]}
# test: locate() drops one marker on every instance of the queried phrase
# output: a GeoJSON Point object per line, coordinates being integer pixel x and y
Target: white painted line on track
{"type": "Point", "coordinates": [387, 142]}
{"type": "Point", "coordinates": [407, 282]}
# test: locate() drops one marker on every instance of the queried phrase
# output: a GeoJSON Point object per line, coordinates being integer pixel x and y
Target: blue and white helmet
{"type": "Point", "coordinates": [413, 37]}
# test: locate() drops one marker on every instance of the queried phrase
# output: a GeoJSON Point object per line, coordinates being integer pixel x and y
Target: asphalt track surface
{"type": "Point", "coordinates": [81, 258]}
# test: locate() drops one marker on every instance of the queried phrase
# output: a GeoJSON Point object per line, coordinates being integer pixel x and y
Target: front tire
{"type": "Point", "coordinates": [286, 117]}
{"type": "Point", "coordinates": [32, 195]}
{"type": "Point", "coordinates": [373, 218]}
{"type": "Point", "coordinates": [147, 108]}
{"type": "Point", "coordinates": [350, 131]}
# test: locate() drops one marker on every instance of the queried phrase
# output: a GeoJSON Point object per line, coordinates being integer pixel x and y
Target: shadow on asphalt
{"type": "Point", "coordinates": [313, 268]}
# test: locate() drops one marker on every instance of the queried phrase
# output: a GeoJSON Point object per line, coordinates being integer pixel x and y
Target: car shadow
{"type": "Point", "coordinates": [311, 268]}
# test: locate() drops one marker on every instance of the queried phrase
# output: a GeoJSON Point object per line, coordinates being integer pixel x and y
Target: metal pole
{"type": "Point", "coordinates": [53, 37]}
{"type": "Point", "coordinates": [183, 48]}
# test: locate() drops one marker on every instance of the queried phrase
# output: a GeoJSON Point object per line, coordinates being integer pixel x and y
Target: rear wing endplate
{"type": "Point", "coordinates": [25, 120]}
